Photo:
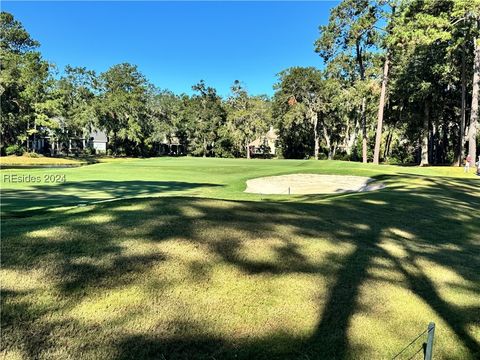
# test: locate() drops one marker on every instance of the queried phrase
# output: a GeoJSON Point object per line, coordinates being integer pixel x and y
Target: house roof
{"type": "Point", "coordinates": [257, 142]}
{"type": "Point", "coordinates": [98, 135]}
{"type": "Point", "coordinates": [270, 135]}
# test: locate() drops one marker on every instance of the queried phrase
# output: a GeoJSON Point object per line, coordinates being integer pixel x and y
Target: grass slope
{"type": "Point", "coordinates": [206, 271]}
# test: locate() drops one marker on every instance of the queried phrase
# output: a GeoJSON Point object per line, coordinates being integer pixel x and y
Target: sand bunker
{"type": "Point", "coordinates": [310, 184]}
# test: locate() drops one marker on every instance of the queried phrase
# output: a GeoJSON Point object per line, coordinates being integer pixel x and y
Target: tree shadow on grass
{"type": "Point", "coordinates": [34, 201]}
{"type": "Point", "coordinates": [431, 222]}
{"type": "Point", "coordinates": [418, 213]}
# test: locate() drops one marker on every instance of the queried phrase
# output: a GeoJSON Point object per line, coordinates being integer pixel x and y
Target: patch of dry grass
{"type": "Point", "coordinates": [38, 160]}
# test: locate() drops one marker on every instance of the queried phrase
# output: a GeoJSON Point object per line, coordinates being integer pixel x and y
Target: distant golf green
{"type": "Point", "coordinates": [168, 258]}
{"type": "Point", "coordinates": [211, 178]}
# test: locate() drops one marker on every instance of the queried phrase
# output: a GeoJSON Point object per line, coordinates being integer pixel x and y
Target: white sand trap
{"type": "Point", "coordinates": [310, 184]}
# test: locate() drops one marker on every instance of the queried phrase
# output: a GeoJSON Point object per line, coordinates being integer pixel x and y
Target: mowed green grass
{"type": "Point", "coordinates": [187, 266]}
{"type": "Point", "coordinates": [114, 179]}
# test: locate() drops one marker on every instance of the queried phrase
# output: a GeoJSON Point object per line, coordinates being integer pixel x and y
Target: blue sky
{"type": "Point", "coordinates": [175, 44]}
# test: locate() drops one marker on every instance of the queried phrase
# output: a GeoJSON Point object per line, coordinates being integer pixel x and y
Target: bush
{"type": "Point", "coordinates": [31, 154]}
{"type": "Point", "coordinates": [401, 154]}
{"type": "Point", "coordinates": [15, 150]}
{"type": "Point", "coordinates": [342, 156]}
{"type": "Point", "coordinates": [89, 151]}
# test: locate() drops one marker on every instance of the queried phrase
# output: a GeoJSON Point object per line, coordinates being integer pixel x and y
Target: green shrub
{"type": "Point", "coordinates": [342, 156]}
{"type": "Point", "coordinates": [15, 150]}
{"type": "Point", "coordinates": [401, 155]}
{"type": "Point", "coordinates": [31, 154]}
{"type": "Point", "coordinates": [89, 151]}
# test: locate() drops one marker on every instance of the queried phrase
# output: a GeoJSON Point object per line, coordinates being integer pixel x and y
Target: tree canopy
{"type": "Point", "coordinates": [400, 85]}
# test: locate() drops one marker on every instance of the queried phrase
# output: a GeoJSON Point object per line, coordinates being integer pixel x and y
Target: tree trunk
{"type": "Point", "coordinates": [34, 143]}
{"type": "Point", "coordinates": [114, 143]}
{"type": "Point", "coordinates": [381, 106]}
{"type": "Point", "coordinates": [204, 147]}
{"type": "Point", "coordinates": [363, 118]}
{"type": "Point", "coordinates": [247, 148]}
{"type": "Point", "coordinates": [461, 140]}
{"type": "Point", "coordinates": [364, 132]}
{"type": "Point", "coordinates": [351, 140]}
{"type": "Point", "coordinates": [472, 129]}
{"type": "Point", "coordinates": [445, 142]}
{"type": "Point", "coordinates": [386, 151]}
{"type": "Point", "coordinates": [327, 142]}
{"type": "Point", "coordinates": [424, 149]}
{"type": "Point", "coordinates": [27, 147]}
{"type": "Point", "coordinates": [315, 134]}
{"type": "Point", "coordinates": [433, 145]}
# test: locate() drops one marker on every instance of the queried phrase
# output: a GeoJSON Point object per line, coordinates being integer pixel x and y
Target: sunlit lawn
{"type": "Point", "coordinates": [207, 272]}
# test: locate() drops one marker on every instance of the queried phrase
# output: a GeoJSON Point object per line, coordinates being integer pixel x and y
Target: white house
{"type": "Point", "coordinates": [98, 140]}
{"type": "Point", "coordinates": [265, 144]}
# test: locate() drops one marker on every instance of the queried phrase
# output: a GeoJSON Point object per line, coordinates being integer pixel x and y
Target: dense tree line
{"type": "Point", "coordinates": [137, 116]}
{"type": "Point", "coordinates": [400, 84]}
